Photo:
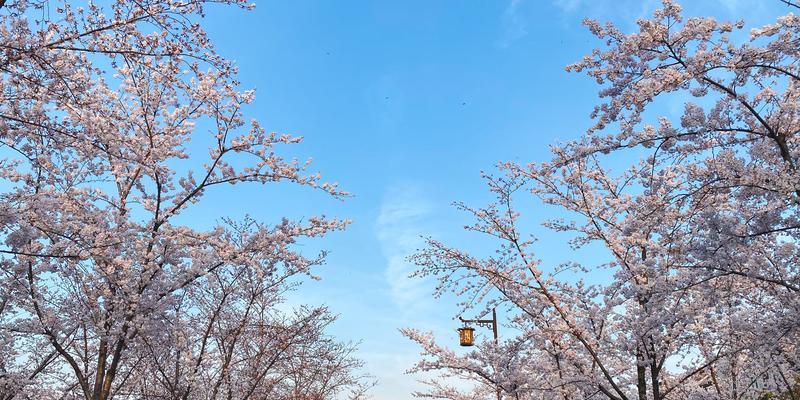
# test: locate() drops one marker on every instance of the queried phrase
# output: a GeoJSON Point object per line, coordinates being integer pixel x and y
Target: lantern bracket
{"type": "Point", "coordinates": [485, 323]}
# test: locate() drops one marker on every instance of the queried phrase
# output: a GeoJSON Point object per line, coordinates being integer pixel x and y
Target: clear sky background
{"type": "Point", "coordinates": [404, 103]}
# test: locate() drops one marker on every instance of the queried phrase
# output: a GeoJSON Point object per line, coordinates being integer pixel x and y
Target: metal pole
{"type": "Point", "coordinates": [494, 324]}
{"type": "Point", "coordinates": [494, 329]}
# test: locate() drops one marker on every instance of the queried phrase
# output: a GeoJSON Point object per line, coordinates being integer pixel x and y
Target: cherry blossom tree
{"type": "Point", "coordinates": [702, 231]}
{"type": "Point", "coordinates": [107, 291]}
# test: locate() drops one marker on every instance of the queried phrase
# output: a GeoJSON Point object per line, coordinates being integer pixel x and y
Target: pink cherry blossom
{"type": "Point", "coordinates": [105, 295]}
{"type": "Point", "coordinates": [702, 229]}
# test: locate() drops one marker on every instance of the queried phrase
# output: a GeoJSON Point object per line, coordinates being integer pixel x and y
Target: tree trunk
{"type": "Point", "coordinates": [641, 377]}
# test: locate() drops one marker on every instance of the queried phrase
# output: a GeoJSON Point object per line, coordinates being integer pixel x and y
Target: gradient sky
{"type": "Point", "coordinates": [404, 103]}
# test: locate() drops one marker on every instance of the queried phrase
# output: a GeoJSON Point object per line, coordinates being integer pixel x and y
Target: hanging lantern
{"type": "Point", "coordinates": [466, 336]}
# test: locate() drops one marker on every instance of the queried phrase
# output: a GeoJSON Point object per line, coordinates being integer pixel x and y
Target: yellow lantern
{"type": "Point", "coordinates": [466, 336]}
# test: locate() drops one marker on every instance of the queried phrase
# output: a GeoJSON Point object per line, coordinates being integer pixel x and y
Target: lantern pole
{"type": "Point", "coordinates": [488, 323]}
{"type": "Point", "coordinates": [494, 324]}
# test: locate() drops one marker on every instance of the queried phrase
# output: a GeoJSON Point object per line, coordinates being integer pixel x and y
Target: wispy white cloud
{"type": "Point", "coordinates": [567, 5]}
{"type": "Point", "coordinates": [401, 223]}
{"type": "Point", "coordinates": [750, 10]}
{"type": "Point", "coordinates": [741, 6]}
{"type": "Point", "coordinates": [407, 213]}
{"type": "Point", "coordinates": [514, 25]}
{"type": "Point", "coordinates": [624, 12]}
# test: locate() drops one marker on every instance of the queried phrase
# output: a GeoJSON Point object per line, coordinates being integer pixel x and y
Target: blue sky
{"type": "Point", "coordinates": [404, 103]}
